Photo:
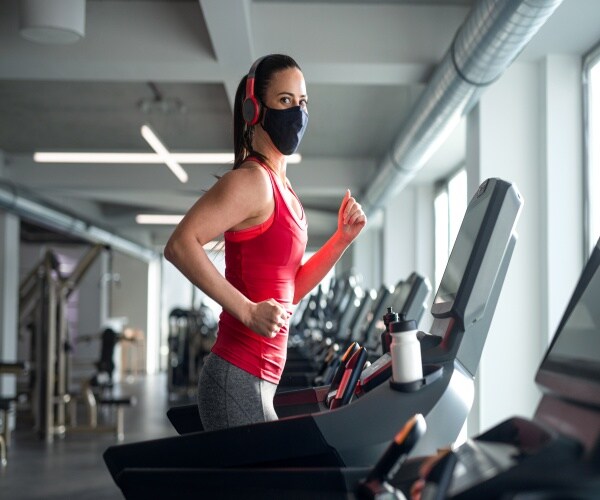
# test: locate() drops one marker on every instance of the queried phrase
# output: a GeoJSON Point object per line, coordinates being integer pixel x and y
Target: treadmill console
{"type": "Point", "coordinates": [478, 252]}
{"type": "Point", "coordinates": [571, 367]}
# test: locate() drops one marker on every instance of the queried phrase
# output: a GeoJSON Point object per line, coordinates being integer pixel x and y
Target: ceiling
{"type": "Point", "coordinates": [365, 63]}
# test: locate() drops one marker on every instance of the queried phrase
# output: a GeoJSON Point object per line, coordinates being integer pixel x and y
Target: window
{"type": "Point", "coordinates": [591, 81]}
{"type": "Point", "coordinates": [450, 205]}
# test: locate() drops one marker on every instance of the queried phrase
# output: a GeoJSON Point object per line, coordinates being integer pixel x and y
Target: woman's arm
{"type": "Point", "coordinates": [230, 203]}
{"type": "Point", "coordinates": [351, 220]}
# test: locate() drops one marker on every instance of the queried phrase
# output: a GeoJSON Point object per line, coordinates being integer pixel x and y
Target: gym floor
{"type": "Point", "coordinates": [72, 467]}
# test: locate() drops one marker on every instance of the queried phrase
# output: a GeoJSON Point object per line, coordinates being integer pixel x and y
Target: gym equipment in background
{"type": "Point", "coordinates": [192, 333]}
{"type": "Point", "coordinates": [7, 407]}
{"type": "Point", "coordinates": [43, 296]}
{"type": "Point", "coordinates": [44, 335]}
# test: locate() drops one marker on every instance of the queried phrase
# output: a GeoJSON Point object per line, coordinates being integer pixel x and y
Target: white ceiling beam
{"type": "Point", "coordinates": [230, 30]}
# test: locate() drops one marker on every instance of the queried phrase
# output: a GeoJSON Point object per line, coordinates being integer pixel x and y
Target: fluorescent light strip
{"type": "Point", "coordinates": [172, 220]}
{"type": "Point", "coordinates": [141, 158]}
{"type": "Point", "coordinates": [157, 145]}
{"type": "Point", "coordinates": [45, 157]}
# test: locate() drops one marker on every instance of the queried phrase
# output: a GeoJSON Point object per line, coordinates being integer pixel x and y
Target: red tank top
{"type": "Point", "coordinates": [261, 262]}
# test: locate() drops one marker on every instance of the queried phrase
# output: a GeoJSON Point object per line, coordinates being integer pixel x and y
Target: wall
{"type": "Point", "coordinates": [365, 255]}
{"type": "Point", "coordinates": [399, 243]}
{"type": "Point", "coordinates": [408, 233]}
{"type": "Point", "coordinates": [129, 299]}
{"type": "Point", "coordinates": [520, 110]}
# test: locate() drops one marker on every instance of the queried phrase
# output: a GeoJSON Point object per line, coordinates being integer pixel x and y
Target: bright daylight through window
{"type": "Point", "coordinates": [593, 147]}
{"type": "Point", "coordinates": [449, 206]}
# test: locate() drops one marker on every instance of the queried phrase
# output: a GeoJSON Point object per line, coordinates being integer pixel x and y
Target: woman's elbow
{"type": "Point", "coordinates": [171, 250]}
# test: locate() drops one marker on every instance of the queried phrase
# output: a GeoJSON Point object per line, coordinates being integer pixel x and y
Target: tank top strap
{"type": "Point", "coordinates": [277, 196]}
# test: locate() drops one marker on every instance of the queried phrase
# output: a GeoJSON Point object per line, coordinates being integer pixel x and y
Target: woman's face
{"type": "Point", "coordinates": [286, 90]}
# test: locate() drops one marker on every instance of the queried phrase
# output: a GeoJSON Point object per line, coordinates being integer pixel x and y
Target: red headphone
{"type": "Point", "coordinates": [250, 106]}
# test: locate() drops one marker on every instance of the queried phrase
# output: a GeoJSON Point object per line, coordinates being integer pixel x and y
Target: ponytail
{"type": "Point", "coordinates": [242, 143]}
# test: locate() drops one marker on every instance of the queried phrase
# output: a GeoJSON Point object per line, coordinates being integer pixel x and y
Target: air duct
{"type": "Point", "coordinates": [14, 201]}
{"type": "Point", "coordinates": [491, 37]}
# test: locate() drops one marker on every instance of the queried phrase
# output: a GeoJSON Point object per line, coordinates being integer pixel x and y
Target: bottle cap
{"type": "Point", "coordinates": [404, 325]}
{"type": "Point", "coordinates": [389, 317]}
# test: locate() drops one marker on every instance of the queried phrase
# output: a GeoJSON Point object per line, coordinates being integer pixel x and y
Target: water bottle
{"type": "Point", "coordinates": [388, 318]}
{"type": "Point", "coordinates": [405, 351]}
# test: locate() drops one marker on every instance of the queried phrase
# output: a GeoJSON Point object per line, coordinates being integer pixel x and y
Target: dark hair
{"type": "Point", "coordinates": [242, 134]}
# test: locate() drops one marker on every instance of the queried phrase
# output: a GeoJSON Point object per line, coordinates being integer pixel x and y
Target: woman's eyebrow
{"type": "Point", "coordinates": [290, 94]}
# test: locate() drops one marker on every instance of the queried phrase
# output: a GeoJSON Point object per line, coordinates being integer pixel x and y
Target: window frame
{"type": "Point", "coordinates": [442, 186]}
{"type": "Point", "coordinates": [591, 59]}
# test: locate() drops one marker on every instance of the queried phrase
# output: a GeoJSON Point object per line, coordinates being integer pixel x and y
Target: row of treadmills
{"type": "Point", "coordinates": [359, 435]}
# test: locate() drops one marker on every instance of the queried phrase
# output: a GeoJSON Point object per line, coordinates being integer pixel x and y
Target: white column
{"type": "Point", "coordinates": [153, 317]}
{"type": "Point", "coordinates": [503, 140]}
{"type": "Point", "coordinates": [562, 203]}
{"type": "Point", "coordinates": [9, 295]}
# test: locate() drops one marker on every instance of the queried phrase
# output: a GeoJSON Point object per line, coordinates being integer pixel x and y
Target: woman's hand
{"type": "Point", "coordinates": [267, 318]}
{"type": "Point", "coordinates": [351, 218]}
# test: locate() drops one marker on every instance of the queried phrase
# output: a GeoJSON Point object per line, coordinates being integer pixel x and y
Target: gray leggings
{"type": "Point", "coordinates": [229, 396]}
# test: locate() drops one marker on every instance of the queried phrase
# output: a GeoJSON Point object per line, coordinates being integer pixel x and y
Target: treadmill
{"type": "Point", "coordinates": [356, 434]}
{"type": "Point", "coordinates": [408, 299]}
{"type": "Point", "coordinates": [555, 454]}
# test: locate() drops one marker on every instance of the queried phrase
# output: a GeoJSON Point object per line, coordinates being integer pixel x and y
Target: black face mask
{"type": "Point", "coordinates": [285, 127]}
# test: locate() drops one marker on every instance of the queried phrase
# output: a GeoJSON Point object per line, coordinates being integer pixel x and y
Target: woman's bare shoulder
{"type": "Point", "coordinates": [249, 174]}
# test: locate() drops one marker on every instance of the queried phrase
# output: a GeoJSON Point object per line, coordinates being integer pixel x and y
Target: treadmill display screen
{"type": "Point", "coordinates": [459, 258]}
{"type": "Point", "coordinates": [400, 295]}
{"type": "Point", "coordinates": [576, 347]}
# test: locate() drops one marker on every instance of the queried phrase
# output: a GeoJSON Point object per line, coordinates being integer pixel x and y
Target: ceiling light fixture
{"type": "Point", "coordinates": [161, 150]}
{"type": "Point", "coordinates": [160, 104]}
{"type": "Point", "coordinates": [158, 219]}
{"type": "Point", "coordinates": [56, 22]}
{"type": "Point", "coordinates": [141, 158]}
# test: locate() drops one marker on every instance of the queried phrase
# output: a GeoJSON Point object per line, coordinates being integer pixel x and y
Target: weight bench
{"type": "Point", "coordinates": [92, 401]}
{"type": "Point", "coordinates": [7, 405]}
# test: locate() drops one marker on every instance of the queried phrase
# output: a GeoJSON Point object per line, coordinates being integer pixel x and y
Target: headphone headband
{"type": "Point", "coordinates": [250, 106]}
{"type": "Point", "coordinates": [254, 67]}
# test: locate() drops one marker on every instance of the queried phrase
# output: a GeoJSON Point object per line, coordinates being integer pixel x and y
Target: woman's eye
{"type": "Point", "coordinates": [285, 100]}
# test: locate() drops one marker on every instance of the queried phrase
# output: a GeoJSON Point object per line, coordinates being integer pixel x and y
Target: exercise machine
{"type": "Point", "coordinates": [555, 454]}
{"type": "Point", "coordinates": [192, 333]}
{"type": "Point", "coordinates": [44, 333]}
{"type": "Point", "coordinates": [409, 299]}
{"type": "Point", "coordinates": [356, 434]}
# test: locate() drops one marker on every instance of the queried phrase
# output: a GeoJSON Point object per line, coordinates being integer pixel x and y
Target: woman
{"type": "Point", "coordinates": [264, 227]}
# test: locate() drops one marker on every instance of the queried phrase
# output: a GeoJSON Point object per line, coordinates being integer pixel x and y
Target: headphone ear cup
{"type": "Point", "coordinates": [250, 110]}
